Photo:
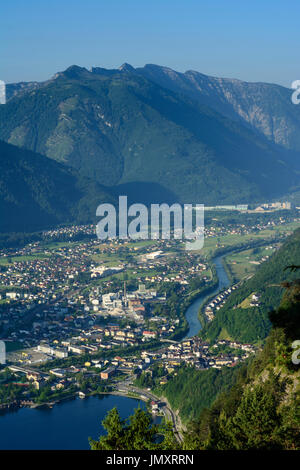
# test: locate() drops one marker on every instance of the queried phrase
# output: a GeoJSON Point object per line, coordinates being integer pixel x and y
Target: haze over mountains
{"type": "Point", "coordinates": [160, 135]}
{"type": "Point", "coordinates": [37, 192]}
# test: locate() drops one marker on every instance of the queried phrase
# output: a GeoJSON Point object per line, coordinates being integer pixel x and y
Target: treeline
{"type": "Point", "coordinates": [191, 390]}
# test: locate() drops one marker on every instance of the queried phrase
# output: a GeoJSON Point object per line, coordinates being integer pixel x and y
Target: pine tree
{"type": "Point", "coordinates": [253, 425]}
{"type": "Point", "coordinates": [114, 440]}
{"type": "Point", "coordinates": [136, 433]}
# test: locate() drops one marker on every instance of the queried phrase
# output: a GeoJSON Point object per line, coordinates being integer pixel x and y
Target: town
{"type": "Point", "coordinates": [81, 316]}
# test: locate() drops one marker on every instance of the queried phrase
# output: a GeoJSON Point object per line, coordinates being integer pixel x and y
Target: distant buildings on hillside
{"type": "Point", "coordinates": [273, 206]}
{"type": "Point", "coordinates": [267, 206]}
{"type": "Point", "coordinates": [101, 271]}
{"type": "Point", "coordinates": [238, 207]}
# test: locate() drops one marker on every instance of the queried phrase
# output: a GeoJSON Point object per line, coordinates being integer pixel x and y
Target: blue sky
{"type": "Point", "coordinates": [252, 40]}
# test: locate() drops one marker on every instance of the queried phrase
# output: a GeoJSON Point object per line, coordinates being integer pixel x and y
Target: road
{"type": "Point", "coordinates": [126, 387]}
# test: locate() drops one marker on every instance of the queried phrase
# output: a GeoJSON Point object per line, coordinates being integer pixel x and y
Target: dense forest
{"type": "Point", "coordinates": [191, 390]}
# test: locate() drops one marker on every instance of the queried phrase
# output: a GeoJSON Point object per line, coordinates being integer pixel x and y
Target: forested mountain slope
{"type": "Point", "coordinates": [261, 411]}
{"type": "Point", "coordinates": [234, 321]}
{"type": "Point", "coordinates": [37, 192]}
{"type": "Point", "coordinates": [120, 128]}
{"type": "Point", "coordinates": [264, 107]}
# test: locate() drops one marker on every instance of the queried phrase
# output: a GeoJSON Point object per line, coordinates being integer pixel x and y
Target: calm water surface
{"type": "Point", "coordinates": [68, 425]}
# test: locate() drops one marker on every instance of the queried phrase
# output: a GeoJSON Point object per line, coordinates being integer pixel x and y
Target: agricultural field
{"type": "Point", "coordinates": [6, 260]}
{"type": "Point", "coordinates": [244, 263]}
{"type": "Point", "coordinates": [212, 244]}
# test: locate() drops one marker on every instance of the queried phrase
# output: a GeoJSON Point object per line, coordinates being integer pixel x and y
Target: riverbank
{"type": "Point", "coordinates": [224, 271]}
{"type": "Point", "coordinates": [193, 313]}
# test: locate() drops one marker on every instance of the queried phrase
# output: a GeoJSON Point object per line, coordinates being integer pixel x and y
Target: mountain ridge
{"type": "Point", "coordinates": [118, 127]}
{"type": "Point", "coordinates": [37, 192]}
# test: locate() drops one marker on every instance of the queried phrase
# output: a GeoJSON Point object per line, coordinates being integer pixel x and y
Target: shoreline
{"type": "Point", "coordinates": [14, 406]}
{"type": "Point", "coordinates": [50, 404]}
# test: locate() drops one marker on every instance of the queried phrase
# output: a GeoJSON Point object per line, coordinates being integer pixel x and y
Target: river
{"type": "Point", "coordinates": [192, 311]}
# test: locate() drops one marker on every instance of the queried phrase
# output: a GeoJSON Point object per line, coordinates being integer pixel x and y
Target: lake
{"type": "Point", "coordinates": [67, 426]}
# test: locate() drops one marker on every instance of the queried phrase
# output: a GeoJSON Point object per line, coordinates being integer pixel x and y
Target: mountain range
{"type": "Point", "coordinates": [264, 107]}
{"type": "Point", "coordinates": [159, 135]}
